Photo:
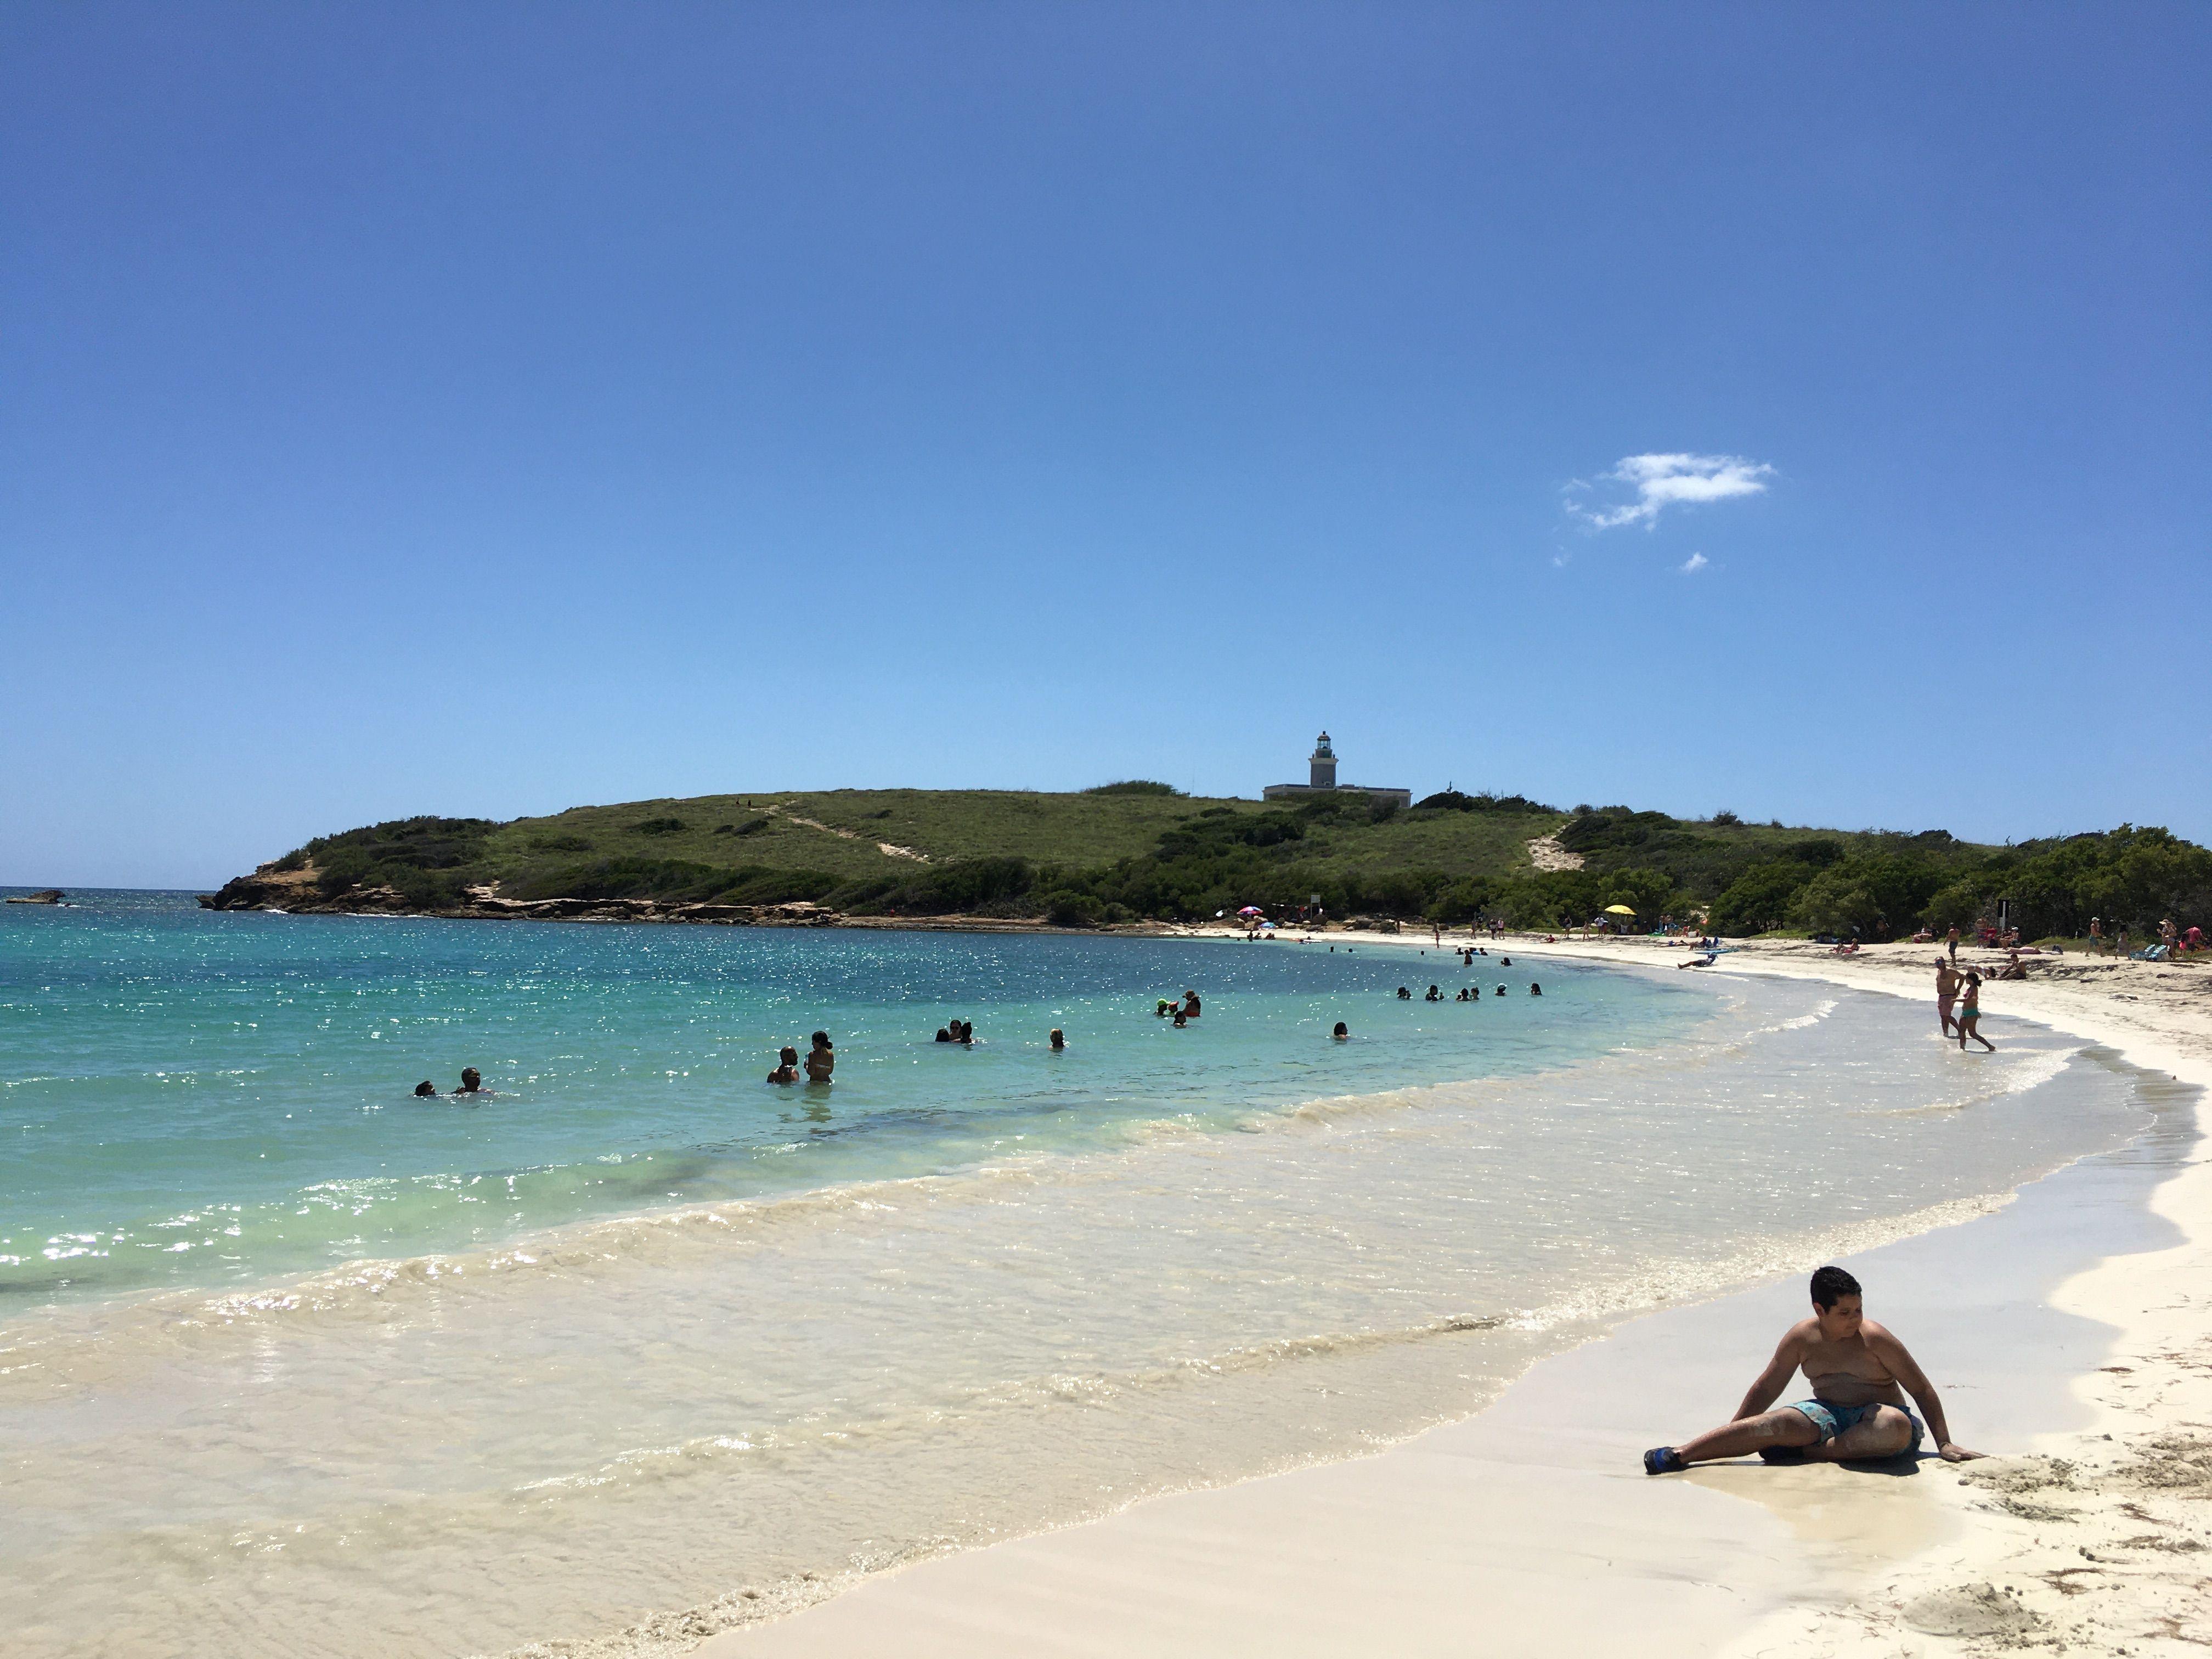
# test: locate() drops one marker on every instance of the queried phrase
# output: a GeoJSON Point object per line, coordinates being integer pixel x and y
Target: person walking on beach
{"type": "Point", "coordinates": [1953, 936]}
{"type": "Point", "coordinates": [2096, 936]}
{"type": "Point", "coordinates": [1970, 1013]}
{"type": "Point", "coordinates": [1946, 993]}
{"type": "Point", "coordinates": [821, 1059]}
{"type": "Point", "coordinates": [1860, 1375]}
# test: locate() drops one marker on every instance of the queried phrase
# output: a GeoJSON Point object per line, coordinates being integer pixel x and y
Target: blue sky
{"type": "Point", "coordinates": [486, 410]}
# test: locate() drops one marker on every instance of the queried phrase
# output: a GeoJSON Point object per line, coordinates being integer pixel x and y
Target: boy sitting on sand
{"type": "Point", "coordinates": [1858, 1409]}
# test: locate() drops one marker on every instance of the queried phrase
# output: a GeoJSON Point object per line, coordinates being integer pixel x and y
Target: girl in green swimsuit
{"type": "Point", "coordinates": [1970, 1011]}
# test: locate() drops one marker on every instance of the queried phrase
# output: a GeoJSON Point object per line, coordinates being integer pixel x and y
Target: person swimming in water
{"type": "Point", "coordinates": [1190, 1005]}
{"type": "Point", "coordinates": [1860, 1375]}
{"type": "Point", "coordinates": [1340, 1034]}
{"type": "Point", "coordinates": [1501, 990]}
{"type": "Point", "coordinates": [786, 1066]}
{"type": "Point", "coordinates": [821, 1059]}
{"type": "Point", "coordinates": [1534, 989]}
{"type": "Point", "coordinates": [1059, 1041]}
{"type": "Point", "coordinates": [943, 1034]}
{"type": "Point", "coordinates": [425, 1089]}
{"type": "Point", "coordinates": [1434, 995]}
{"type": "Point", "coordinates": [1404, 995]}
{"type": "Point", "coordinates": [471, 1082]}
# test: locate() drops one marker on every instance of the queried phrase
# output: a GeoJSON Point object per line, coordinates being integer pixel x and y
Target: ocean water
{"type": "Point", "coordinates": [292, 1363]}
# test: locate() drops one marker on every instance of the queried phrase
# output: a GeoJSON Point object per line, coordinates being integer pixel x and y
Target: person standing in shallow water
{"type": "Point", "coordinates": [1970, 1013]}
{"type": "Point", "coordinates": [821, 1059]}
{"type": "Point", "coordinates": [1946, 993]}
{"type": "Point", "coordinates": [786, 1066]}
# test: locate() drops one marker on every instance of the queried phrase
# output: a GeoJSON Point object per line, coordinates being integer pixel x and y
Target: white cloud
{"type": "Point", "coordinates": [1663, 481]}
{"type": "Point", "coordinates": [1694, 563]}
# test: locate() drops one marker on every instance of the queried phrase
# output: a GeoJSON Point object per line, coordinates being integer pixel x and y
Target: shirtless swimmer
{"type": "Point", "coordinates": [1860, 1375]}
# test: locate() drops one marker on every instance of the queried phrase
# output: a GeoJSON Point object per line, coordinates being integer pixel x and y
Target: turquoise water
{"type": "Point", "coordinates": [199, 1097]}
{"type": "Point", "coordinates": [294, 1364]}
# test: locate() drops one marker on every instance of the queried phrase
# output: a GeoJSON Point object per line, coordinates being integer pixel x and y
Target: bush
{"type": "Point", "coordinates": [661, 826]}
{"type": "Point", "coordinates": [1067, 909]}
{"type": "Point", "coordinates": [1760, 900]}
{"type": "Point", "coordinates": [1133, 786]}
{"type": "Point", "coordinates": [1726, 817]}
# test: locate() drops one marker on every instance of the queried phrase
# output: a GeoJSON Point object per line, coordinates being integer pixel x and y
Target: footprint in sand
{"type": "Point", "coordinates": [1971, 1611]}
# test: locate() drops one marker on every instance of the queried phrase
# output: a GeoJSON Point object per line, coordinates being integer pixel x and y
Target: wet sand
{"type": "Point", "coordinates": [1530, 1528]}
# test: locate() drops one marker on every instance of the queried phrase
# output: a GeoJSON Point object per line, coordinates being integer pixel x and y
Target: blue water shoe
{"type": "Point", "coordinates": [1663, 1459]}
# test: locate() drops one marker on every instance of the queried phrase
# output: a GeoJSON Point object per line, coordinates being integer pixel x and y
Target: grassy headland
{"type": "Point", "coordinates": [1136, 850]}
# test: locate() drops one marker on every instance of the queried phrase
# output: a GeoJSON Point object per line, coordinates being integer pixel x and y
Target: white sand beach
{"type": "Point", "coordinates": [2070, 1332]}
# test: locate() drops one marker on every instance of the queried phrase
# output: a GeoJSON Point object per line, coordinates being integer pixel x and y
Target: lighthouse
{"type": "Point", "coordinates": [1322, 765]}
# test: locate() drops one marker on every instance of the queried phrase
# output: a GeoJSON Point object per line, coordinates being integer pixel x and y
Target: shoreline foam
{"type": "Point", "coordinates": [1893, 1562]}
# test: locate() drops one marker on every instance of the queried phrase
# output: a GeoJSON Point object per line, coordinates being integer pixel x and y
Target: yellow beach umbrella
{"type": "Point", "coordinates": [1618, 910]}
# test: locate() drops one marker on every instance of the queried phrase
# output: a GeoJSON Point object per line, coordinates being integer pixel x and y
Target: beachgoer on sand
{"type": "Point", "coordinates": [1860, 1375]}
{"type": "Point", "coordinates": [1952, 937]}
{"type": "Point", "coordinates": [820, 1059]}
{"type": "Point", "coordinates": [786, 1066]}
{"type": "Point", "coordinates": [1970, 1013]}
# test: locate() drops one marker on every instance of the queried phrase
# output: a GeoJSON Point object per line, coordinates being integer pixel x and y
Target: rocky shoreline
{"type": "Point", "coordinates": [295, 892]}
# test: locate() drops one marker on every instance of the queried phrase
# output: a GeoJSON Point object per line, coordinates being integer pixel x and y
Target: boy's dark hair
{"type": "Point", "coordinates": [1831, 1285]}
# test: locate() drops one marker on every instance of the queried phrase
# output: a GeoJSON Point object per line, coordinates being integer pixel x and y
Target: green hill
{"type": "Point", "coordinates": [1137, 851]}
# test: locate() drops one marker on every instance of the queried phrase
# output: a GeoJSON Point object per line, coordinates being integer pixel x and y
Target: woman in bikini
{"type": "Point", "coordinates": [1970, 1011]}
